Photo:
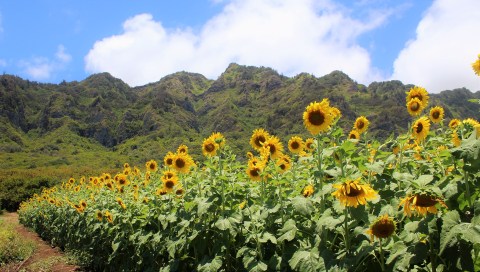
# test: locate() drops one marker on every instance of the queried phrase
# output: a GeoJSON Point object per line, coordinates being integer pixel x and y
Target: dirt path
{"type": "Point", "coordinates": [45, 258]}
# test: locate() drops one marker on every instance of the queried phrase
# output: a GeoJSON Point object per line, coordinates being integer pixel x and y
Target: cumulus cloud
{"type": "Point", "coordinates": [42, 68]}
{"type": "Point", "coordinates": [291, 36]}
{"type": "Point", "coordinates": [446, 44]}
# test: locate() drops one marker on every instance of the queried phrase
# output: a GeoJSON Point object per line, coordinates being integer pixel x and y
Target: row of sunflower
{"type": "Point", "coordinates": [330, 202]}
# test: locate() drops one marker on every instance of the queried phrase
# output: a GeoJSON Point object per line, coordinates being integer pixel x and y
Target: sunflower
{"type": "Point", "coordinates": [179, 192]}
{"type": "Point", "coordinates": [168, 159]}
{"type": "Point", "coordinates": [456, 141]}
{"type": "Point", "coordinates": [420, 93]}
{"type": "Point", "coordinates": [284, 163]}
{"type": "Point", "coordinates": [421, 203]}
{"type": "Point", "coordinates": [121, 180]}
{"type": "Point", "coordinates": [414, 106]}
{"type": "Point", "coordinates": [308, 190]}
{"type": "Point", "coordinates": [120, 202]}
{"type": "Point", "coordinates": [476, 66]}
{"type": "Point", "coordinates": [218, 138]}
{"type": "Point", "coordinates": [254, 172]}
{"type": "Point", "coordinates": [352, 193]}
{"type": "Point", "coordinates": [152, 166]}
{"type": "Point", "coordinates": [106, 176]}
{"type": "Point", "coordinates": [295, 145]}
{"type": "Point", "coordinates": [454, 123]}
{"type": "Point", "coordinates": [169, 184]}
{"type": "Point", "coordinates": [469, 122]}
{"type": "Point", "coordinates": [182, 162]}
{"type": "Point", "coordinates": [420, 128]}
{"type": "Point", "coordinates": [161, 191]}
{"type": "Point", "coordinates": [310, 144]}
{"type": "Point", "coordinates": [259, 136]}
{"type": "Point", "coordinates": [182, 149]}
{"type": "Point", "coordinates": [361, 124]}
{"type": "Point", "coordinates": [317, 117]}
{"type": "Point", "coordinates": [83, 203]}
{"type": "Point", "coordinates": [109, 216]}
{"type": "Point", "coordinates": [436, 114]}
{"type": "Point", "coordinates": [71, 181]}
{"type": "Point", "coordinates": [169, 174]}
{"type": "Point", "coordinates": [275, 147]}
{"type": "Point", "coordinates": [254, 161]}
{"type": "Point", "coordinates": [126, 165]}
{"type": "Point", "coordinates": [99, 215]}
{"type": "Point", "coordinates": [383, 227]}
{"type": "Point", "coordinates": [209, 147]}
{"type": "Point", "coordinates": [354, 135]}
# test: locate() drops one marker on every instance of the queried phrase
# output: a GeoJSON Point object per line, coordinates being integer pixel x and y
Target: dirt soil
{"type": "Point", "coordinates": [44, 258]}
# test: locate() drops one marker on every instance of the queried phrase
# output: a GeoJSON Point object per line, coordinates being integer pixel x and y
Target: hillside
{"type": "Point", "coordinates": [99, 123]}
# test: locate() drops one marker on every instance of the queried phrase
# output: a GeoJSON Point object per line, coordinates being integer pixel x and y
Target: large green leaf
{"type": "Point", "coordinates": [306, 261]}
{"type": "Point", "coordinates": [288, 231]}
{"type": "Point", "coordinates": [302, 205]}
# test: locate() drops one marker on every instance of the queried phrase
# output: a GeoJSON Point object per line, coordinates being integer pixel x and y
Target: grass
{"type": "Point", "coordinates": [13, 248]}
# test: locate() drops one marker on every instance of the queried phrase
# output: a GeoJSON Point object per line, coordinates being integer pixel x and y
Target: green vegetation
{"type": "Point", "coordinates": [13, 248]}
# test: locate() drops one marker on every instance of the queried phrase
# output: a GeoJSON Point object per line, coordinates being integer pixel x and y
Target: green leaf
{"type": "Point", "coordinates": [302, 205]}
{"type": "Point", "coordinates": [266, 236]}
{"type": "Point", "coordinates": [469, 151]}
{"type": "Point", "coordinates": [257, 266]}
{"type": "Point", "coordinates": [424, 180]}
{"type": "Point", "coordinates": [223, 224]}
{"type": "Point", "coordinates": [202, 206]}
{"type": "Point", "coordinates": [398, 250]}
{"type": "Point", "coordinates": [303, 260]}
{"type": "Point", "coordinates": [288, 231]}
{"type": "Point", "coordinates": [328, 221]}
{"type": "Point", "coordinates": [377, 167]}
{"type": "Point", "coordinates": [214, 265]}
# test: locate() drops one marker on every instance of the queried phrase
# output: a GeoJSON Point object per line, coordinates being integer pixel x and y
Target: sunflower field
{"type": "Point", "coordinates": [333, 202]}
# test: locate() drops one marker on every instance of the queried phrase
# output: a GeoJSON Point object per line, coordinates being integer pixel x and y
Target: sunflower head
{"type": "Point", "coordinates": [182, 162]}
{"type": "Point", "coordinates": [295, 145]}
{"type": "Point", "coordinates": [122, 180]}
{"type": "Point", "coordinates": [436, 114]}
{"type": "Point", "coordinates": [120, 202]}
{"type": "Point", "coordinates": [308, 190]}
{"type": "Point", "coordinates": [274, 146]}
{"type": "Point", "coordinates": [354, 135]}
{"type": "Point", "coordinates": [414, 106]}
{"type": "Point", "coordinates": [283, 163]}
{"type": "Point", "coordinates": [182, 149]}
{"type": "Point", "coordinates": [209, 147]}
{"type": "Point", "coordinates": [161, 191]}
{"type": "Point", "coordinates": [476, 66]}
{"type": "Point", "coordinates": [310, 144]}
{"type": "Point", "coordinates": [169, 184]}
{"type": "Point", "coordinates": [361, 124]}
{"type": "Point", "coordinates": [420, 128]}
{"type": "Point", "coordinates": [99, 215]}
{"type": "Point", "coordinates": [352, 193]}
{"type": "Point", "coordinates": [218, 138]}
{"type": "Point", "coordinates": [168, 159]}
{"type": "Point", "coordinates": [151, 166]}
{"type": "Point", "coordinates": [420, 93]}
{"type": "Point", "coordinates": [454, 123]}
{"type": "Point", "coordinates": [109, 216]}
{"type": "Point", "coordinates": [470, 123]}
{"type": "Point", "coordinates": [254, 172]}
{"type": "Point", "coordinates": [383, 227]}
{"type": "Point", "coordinates": [259, 136]}
{"type": "Point", "coordinates": [318, 117]}
{"type": "Point", "coordinates": [421, 203]}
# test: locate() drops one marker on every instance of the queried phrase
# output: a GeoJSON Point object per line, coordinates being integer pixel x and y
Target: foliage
{"type": "Point", "coordinates": [13, 248]}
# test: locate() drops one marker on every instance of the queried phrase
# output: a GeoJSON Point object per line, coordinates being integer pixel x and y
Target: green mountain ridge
{"type": "Point", "coordinates": [141, 123]}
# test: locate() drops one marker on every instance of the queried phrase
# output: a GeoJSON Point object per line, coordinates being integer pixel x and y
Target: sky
{"type": "Point", "coordinates": [428, 43]}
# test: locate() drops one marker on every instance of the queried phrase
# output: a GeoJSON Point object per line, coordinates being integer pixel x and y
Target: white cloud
{"type": "Point", "coordinates": [3, 63]}
{"type": "Point", "coordinates": [446, 44]}
{"type": "Point", "coordinates": [41, 68]}
{"type": "Point", "coordinates": [291, 36]}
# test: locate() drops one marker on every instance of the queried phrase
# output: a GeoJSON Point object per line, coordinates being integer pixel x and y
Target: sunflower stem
{"type": "Point", "coordinates": [433, 255]}
{"type": "Point", "coordinates": [347, 236]}
{"type": "Point", "coordinates": [382, 257]}
{"type": "Point", "coordinates": [465, 176]}
{"type": "Point", "coordinates": [318, 177]}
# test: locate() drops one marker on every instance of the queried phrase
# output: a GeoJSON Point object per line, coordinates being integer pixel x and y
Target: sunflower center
{"type": "Point", "coordinates": [283, 166]}
{"type": "Point", "coordinates": [254, 172]}
{"type": "Point", "coordinates": [169, 161]}
{"type": "Point", "coordinates": [415, 106]}
{"type": "Point", "coordinates": [316, 118]}
{"type": "Point", "coordinates": [353, 136]}
{"type": "Point", "coordinates": [425, 201]}
{"type": "Point", "coordinates": [295, 145]}
{"type": "Point", "coordinates": [152, 166]}
{"type": "Point", "coordinates": [259, 140]}
{"type": "Point", "coordinates": [272, 148]}
{"type": "Point", "coordinates": [419, 128]}
{"type": "Point", "coordinates": [436, 115]}
{"type": "Point", "coordinates": [210, 147]}
{"type": "Point", "coordinates": [360, 124]}
{"type": "Point", "coordinates": [169, 184]}
{"type": "Point", "coordinates": [354, 192]}
{"type": "Point", "coordinates": [419, 96]}
{"type": "Point", "coordinates": [383, 229]}
{"type": "Point", "coordinates": [180, 163]}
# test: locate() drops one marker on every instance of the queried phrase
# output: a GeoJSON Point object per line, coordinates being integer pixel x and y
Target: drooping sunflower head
{"type": "Point", "coordinates": [420, 93]}
{"type": "Point", "coordinates": [182, 162]}
{"type": "Point", "coordinates": [361, 124]}
{"type": "Point", "coordinates": [354, 135]}
{"type": "Point", "coordinates": [308, 190]}
{"type": "Point", "coordinates": [295, 145]}
{"type": "Point", "coordinates": [259, 136]}
{"type": "Point", "coordinates": [209, 147]}
{"type": "Point", "coordinates": [283, 163]}
{"type": "Point", "coordinates": [476, 66]}
{"type": "Point", "coordinates": [421, 203]}
{"type": "Point", "coordinates": [318, 117]}
{"type": "Point", "coordinates": [436, 114]}
{"type": "Point", "coordinates": [414, 106]}
{"type": "Point", "coordinates": [352, 193]}
{"type": "Point", "coordinates": [182, 149]}
{"type": "Point", "coordinates": [218, 138]}
{"type": "Point", "coordinates": [454, 123]}
{"type": "Point", "coordinates": [383, 227]}
{"type": "Point", "coordinates": [274, 146]}
{"type": "Point", "coordinates": [310, 144]}
{"type": "Point", "coordinates": [151, 166]}
{"type": "Point", "coordinates": [168, 159]}
{"type": "Point", "coordinates": [420, 128]}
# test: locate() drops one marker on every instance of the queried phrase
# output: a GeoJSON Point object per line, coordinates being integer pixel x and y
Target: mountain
{"type": "Point", "coordinates": [100, 123]}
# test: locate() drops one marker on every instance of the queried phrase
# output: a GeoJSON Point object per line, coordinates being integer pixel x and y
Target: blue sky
{"type": "Point", "coordinates": [430, 43]}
